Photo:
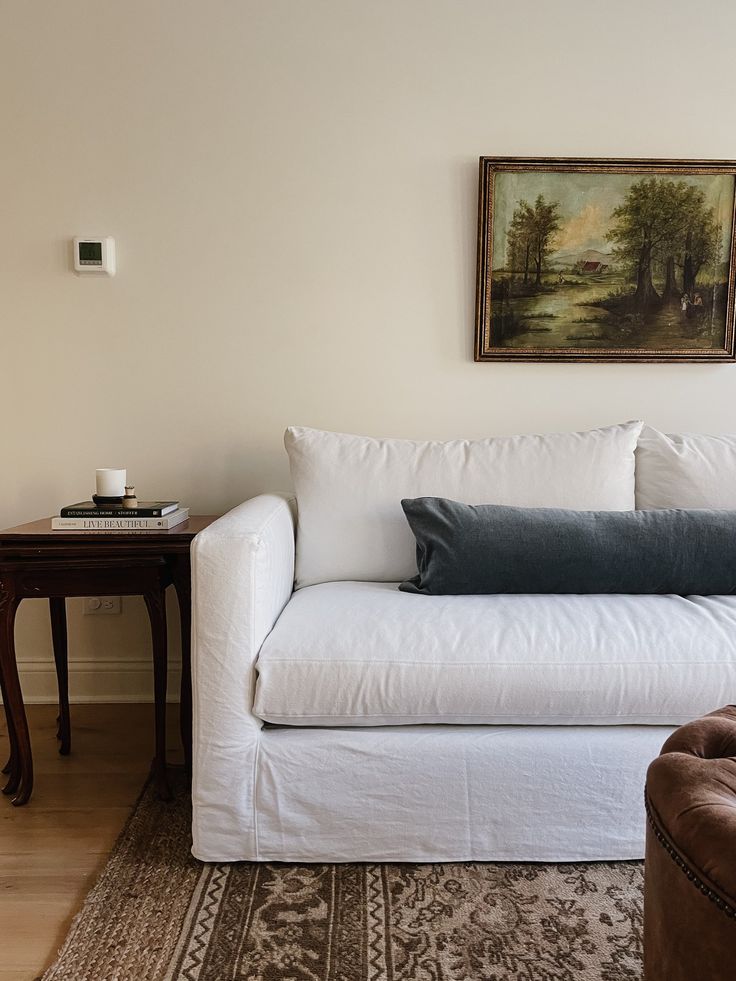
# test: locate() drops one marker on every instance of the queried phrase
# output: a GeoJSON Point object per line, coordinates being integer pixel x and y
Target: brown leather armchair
{"type": "Point", "coordinates": [690, 869]}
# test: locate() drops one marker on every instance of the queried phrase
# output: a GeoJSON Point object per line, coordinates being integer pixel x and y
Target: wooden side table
{"type": "Point", "coordinates": [38, 562]}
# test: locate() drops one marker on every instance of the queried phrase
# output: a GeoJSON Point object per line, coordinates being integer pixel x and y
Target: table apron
{"type": "Point", "coordinates": [93, 579]}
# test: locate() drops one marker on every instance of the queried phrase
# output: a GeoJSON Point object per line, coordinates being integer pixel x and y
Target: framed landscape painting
{"type": "Point", "coordinates": [605, 260]}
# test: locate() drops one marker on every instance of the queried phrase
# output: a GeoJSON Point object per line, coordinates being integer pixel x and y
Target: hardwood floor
{"type": "Point", "coordinates": [52, 850]}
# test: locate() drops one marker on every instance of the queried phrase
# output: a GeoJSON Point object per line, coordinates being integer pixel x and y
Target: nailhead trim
{"type": "Point", "coordinates": [698, 883]}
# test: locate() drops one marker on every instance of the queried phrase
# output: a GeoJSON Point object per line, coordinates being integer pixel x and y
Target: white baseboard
{"type": "Point", "coordinates": [96, 680]}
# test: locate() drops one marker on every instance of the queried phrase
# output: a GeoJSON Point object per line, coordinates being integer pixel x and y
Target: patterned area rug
{"type": "Point", "coordinates": [156, 914]}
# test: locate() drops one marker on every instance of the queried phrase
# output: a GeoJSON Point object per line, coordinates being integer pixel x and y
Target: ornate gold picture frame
{"type": "Point", "coordinates": [605, 260]}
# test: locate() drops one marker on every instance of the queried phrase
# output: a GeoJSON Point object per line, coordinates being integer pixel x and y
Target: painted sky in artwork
{"type": "Point", "coordinates": [586, 202]}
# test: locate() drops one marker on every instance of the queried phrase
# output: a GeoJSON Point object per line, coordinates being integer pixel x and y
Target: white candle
{"type": "Point", "coordinates": [110, 482]}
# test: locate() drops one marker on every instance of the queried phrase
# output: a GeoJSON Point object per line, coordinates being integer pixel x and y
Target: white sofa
{"type": "Point", "coordinates": [339, 719]}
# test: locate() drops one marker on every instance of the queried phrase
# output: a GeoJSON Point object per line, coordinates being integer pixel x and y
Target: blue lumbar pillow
{"type": "Point", "coordinates": [488, 548]}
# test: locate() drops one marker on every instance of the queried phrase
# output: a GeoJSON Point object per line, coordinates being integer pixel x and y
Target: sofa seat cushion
{"type": "Point", "coordinates": [366, 654]}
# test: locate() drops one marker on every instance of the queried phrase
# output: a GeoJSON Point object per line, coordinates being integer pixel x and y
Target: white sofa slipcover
{"type": "Point", "coordinates": [417, 793]}
{"type": "Point", "coordinates": [337, 789]}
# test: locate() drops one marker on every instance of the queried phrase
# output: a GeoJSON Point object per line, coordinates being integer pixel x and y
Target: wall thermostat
{"type": "Point", "coordinates": [94, 255]}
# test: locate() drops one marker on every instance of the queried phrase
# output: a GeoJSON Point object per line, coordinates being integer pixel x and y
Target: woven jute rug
{"type": "Point", "coordinates": [156, 914]}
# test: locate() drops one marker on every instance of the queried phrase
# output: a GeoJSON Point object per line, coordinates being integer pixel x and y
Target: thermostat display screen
{"type": "Point", "coordinates": [90, 252]}
{"type": "Point", "coordinates": [94, 254]}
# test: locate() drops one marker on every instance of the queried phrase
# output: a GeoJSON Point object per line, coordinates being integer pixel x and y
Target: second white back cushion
{"type": "Point", "coordinates": [686, 470]}
{"type": "Point", "coordinates": [349, 489]}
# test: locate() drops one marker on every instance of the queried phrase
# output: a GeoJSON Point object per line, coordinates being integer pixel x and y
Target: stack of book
{"type": "Point", "coordinates": [145, 516]}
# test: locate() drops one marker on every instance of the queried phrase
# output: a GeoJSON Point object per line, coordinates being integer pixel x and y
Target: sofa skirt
{"type": "Point", "coordinates": [430, 794]}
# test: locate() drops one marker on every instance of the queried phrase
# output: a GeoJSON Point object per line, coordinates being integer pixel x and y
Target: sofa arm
{"type": "Point", "coordinates": [242, 577]}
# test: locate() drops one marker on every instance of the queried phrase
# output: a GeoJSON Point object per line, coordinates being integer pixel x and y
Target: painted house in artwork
{"type": "Point", "coordinates": [592, 267]}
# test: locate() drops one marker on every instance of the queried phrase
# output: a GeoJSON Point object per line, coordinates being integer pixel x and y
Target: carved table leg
{"type": "Point", "coordinates": [57, 607]}
{"type": "Point", "coordinates": [13, 755]}
{"type": "Point", "coordinates": [181, 574]}
{"type": "Point", "coordinates": [155, 603]}
{"type": "Point", "coordinates": [20, 764]}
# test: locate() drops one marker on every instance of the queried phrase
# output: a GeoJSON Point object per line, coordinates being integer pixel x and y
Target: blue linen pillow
{"type": "Point", "coordinates": [488, 548]}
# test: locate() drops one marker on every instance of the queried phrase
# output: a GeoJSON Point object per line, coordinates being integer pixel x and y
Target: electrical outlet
{"type": "Point", "coordinates": [101, 605]}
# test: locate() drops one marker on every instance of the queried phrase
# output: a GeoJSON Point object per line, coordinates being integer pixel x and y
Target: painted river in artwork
{"type": "Point", "coordinates": [564, 316]}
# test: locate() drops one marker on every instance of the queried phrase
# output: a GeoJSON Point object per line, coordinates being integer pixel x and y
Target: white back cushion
{"type": "Point", "coordinates": [685, 470]}
{"type": "Point", "coordinates": [349, 489]}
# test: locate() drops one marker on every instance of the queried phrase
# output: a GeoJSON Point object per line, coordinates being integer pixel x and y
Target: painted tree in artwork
{"type": "Point", "coordinates": [702, 240]}
{"type": "Point", "coordinates": [519, 241]}
{"type": "Point", "coordinates": [530, 237]}
{"type": "Point", "coordinates": [663, 224]}
{"type": "Point", "coordinates": [693, 241]}
{"type": "Point", "coordinates": [639, 230]}
{"type": "Point", "coordinates": [670, 198]}
{"type": "Point", "coordinates": [545, 224]}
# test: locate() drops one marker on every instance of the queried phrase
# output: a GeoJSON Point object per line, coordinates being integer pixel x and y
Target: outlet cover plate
{"type": "Point", "coordinates": [101, 605]}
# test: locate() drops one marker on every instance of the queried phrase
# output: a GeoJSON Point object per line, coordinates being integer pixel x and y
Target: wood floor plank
{"type": "Point", "coordinates": [36, 929]}
{"type": "Point", "coordinates": [52, 850]}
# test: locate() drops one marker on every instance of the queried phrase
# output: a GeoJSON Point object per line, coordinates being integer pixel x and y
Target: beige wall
{"type": "Point", "coordinates": [292, 187]}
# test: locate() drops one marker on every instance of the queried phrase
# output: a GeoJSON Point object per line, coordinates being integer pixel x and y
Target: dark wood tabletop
{"type": "Point", "coordinates": [37, 537]}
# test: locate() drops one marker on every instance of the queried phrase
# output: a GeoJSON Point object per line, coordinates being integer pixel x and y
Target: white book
{"type": "Point", "coordinates": [121, 524]}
